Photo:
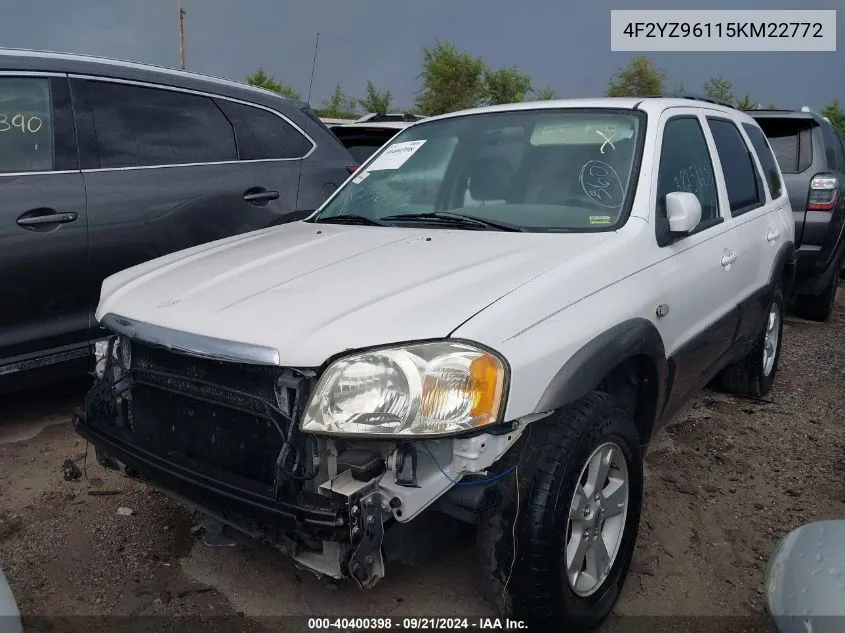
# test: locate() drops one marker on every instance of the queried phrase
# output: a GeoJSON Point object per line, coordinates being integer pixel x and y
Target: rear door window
{"type": "Point", "coordinates": [767, 159]}
{"type": "Point", "coordinates": [742, 180]}
{"type": "Point", "coordinates": [140, 126]}
{"type": "Point", "coordinates": [263, 135]}
{"type": "Point", "coordinates": [26, 125]}
{"type": "Point", "coordinates": [791, 141]}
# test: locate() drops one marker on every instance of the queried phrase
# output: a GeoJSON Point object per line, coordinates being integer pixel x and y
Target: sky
{"type": "Point", "coordinates": [564, 44]}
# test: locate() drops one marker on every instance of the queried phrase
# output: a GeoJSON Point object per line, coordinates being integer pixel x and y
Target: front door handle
{"type": "Point", "coordinates": [261, 196]}
{"type": "Point", "coordinates": [50, 218]}
{"type": "Point", "coordinates": [729, 258]}
{"type": "Point", "coordinates": [772, 235]}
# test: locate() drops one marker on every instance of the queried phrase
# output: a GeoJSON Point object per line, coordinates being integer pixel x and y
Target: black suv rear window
{"type": "Point", "coordinates": [763, 149]}
{"type": "Point", "coordinates": [791, 141]}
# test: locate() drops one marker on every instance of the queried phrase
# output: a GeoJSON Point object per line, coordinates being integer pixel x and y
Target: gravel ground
{"type": "Point", "coordinates": [724, 480]}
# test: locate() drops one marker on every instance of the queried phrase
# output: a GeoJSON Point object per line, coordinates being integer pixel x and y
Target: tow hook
{"type": "Point", "coordinates": [366, 526]}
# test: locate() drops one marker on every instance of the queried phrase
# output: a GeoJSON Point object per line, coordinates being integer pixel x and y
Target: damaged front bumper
{"type": "Point", "coordinates": [348, 522]}
{"type": "Point", "coordinates": [222, 437]}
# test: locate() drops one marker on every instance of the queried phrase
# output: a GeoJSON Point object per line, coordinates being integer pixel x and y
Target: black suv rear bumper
{"type": "Point", "coordinates": [815, 272]}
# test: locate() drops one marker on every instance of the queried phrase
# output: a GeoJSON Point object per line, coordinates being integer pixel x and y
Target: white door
{"type": "Point", "coordinates": [697, 286]}
{"type": "Point", "coordinates": [760, 211]}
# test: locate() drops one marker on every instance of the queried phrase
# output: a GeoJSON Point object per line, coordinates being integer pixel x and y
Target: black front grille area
{"type": "Point", "coordinates": [217, 416]}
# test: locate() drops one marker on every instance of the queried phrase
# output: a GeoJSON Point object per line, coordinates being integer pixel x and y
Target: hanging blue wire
{"type": "Point", "coordinates": [467, 483]}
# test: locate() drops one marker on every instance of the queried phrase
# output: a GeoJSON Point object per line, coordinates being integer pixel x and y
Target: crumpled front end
{"type": "Point", "coordinates": [222, 436]}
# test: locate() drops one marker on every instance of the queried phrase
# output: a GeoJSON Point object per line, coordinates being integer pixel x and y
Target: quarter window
{"type": "Point", "coordinates": [263, 135]}
{"type": "Point", "coordinates": [767, 159]}
{"type": "Point", "coordinates": [685, 165]}
{"type": "Point", "coordinates": [138, 126]}
{"type": "Point", "coordinates": [835, 157]}
{"type": "Point", "coordinates": [741, 177]}
{"type": "Point", "coordinates": [26, 125]}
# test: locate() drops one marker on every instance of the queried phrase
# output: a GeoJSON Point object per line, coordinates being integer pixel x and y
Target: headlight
{"type": "Point", "coordinates": [425, 389]}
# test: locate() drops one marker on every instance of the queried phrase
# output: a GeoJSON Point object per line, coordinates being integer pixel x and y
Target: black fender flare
{"type": "Point", "coordinates": [587, 367]}
{"type": "Point", "coordinates": [785, 263]}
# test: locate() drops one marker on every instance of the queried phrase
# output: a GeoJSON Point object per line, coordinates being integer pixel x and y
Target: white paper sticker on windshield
{"type": "Point", "coordinates": [395, 155]}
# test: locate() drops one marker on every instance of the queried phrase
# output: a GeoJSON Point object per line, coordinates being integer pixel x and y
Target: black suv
{"type": "Point", "coordinates": [812, 158]}
{"type": "Point", "coordinates": [105, 164]}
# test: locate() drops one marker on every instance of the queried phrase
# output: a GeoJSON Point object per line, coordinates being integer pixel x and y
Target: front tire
{"type": "Point", "coordinates": [754, 375]}
{"type": "Point", "coordinates": [575, 518]}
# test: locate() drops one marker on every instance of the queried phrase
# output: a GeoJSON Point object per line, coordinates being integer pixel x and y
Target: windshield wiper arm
{"type": "Point", "coordinates": [350, 218]}
{"type": "Point", "coordinates": [457, 218]}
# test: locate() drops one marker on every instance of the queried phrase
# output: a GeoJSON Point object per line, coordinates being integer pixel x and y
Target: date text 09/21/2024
{"type": "Point", "coordinates": [724, 29]}
{"type": "Point", "coordinates": [415, 624]}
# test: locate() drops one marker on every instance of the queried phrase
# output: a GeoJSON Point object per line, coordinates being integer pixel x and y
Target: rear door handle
{"type": "Point", "coordinates": [729, 258]}
{"type": "Point", "coordinates": [51, 218]}
{"type": "Point", "coordinates": [772, 235]}
{"type": "Point", "coordinates": [261, 196]}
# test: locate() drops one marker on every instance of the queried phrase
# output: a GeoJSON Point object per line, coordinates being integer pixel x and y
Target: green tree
{"type": "Point", "coordinates": [506, 85]}
{"type": "Point", "coordinates": [719, 88]}
{"type": "Point", "coordinates": [375, 101]}
{"type": "Point", "coordinates": [544, 94]}
{"type": "Point", "coordinates": [451, 80]}
{"type": "Point", "coordinates": [747, 103]}
{"type": "Point", "coordinates": [833, 111]}
{"type": "Point", "coordinates": [679, 90]}
{"type": "Point", "coordinates": [640, 78]}
{"type": "Point", "coordinates": [262, 80]}
{"type": "Point", "coordinates": [338, 105]}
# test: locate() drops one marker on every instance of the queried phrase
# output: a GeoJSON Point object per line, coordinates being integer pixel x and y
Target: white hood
{"type": "Point", "coordinates": [313, 290]}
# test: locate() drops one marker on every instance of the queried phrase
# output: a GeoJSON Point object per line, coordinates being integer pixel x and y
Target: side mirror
{"type": "Point", "coordinates": [683, 209]}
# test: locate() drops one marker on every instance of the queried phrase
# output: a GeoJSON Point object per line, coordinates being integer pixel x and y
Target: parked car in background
{"type": "Point", "coordinates": [805, 579]}
{"type": "Point", "coordinates": [326, 385]}
{"type": "Point", "coordinates": [105, 164]}
{"type": "Point", "coordinates": [812, 158]}
{"type": "Point", "coordinates": [390, 117]}
{"type": "Point", "coordinates": [366, 135]}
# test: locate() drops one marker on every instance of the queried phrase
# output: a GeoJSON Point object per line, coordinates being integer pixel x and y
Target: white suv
{"type": "Point", "coordinates": [347, 386]}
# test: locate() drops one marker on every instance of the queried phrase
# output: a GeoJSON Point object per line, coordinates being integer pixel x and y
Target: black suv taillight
{"type": "Point", "coordinates": [824, 192]}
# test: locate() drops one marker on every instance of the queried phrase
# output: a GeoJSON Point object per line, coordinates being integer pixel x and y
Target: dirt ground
{"type": "Point", "coordinates": [724, 481]}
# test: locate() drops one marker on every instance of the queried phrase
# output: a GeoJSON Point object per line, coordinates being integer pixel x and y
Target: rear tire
{"type": "Point", "coordinates": [754, 375]}
{"type": "Point", "coordinates": [818, 307]}
{"type": "Point", "coordinates": [555, 576]}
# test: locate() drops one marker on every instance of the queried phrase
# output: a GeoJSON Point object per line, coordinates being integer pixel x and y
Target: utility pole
{"type": "Point", "coordinates": [182, 37]}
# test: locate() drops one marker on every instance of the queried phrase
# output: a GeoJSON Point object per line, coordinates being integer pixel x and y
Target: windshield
{"type": "Point", "coordinates": [541, 170]}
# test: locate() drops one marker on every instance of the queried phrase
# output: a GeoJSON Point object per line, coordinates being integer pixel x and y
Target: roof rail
{"type": "Point", "coordinates": [720, 102]}
{"type": "Point", "coordinates": [694, 97]}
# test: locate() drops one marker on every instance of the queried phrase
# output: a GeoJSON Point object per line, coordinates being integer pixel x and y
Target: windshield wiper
{"type": "Point", "coordinates": [350, 218]}
{"type": "Point", "coordinates": [457, 219]}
